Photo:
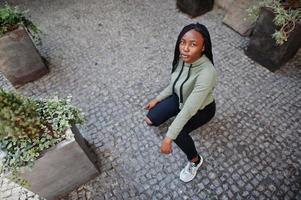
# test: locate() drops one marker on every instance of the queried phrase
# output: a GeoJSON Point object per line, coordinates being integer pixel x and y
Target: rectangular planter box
{"type": "Point", "coordinates": [263, 48]}
{"type": "Point", "coordinates": [224, 4]}
{"type": "Point", "coordinates": [237, 17]}
{"type": "Point", "coordinates": [195, 8]}
{"type": "Point", "coordinates": [63, 168]}
{"type": "Point", "coordinates": [20, 61]}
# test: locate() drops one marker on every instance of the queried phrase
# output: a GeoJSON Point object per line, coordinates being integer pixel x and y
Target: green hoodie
{"type": "Point", "coordinates": [199, 80]}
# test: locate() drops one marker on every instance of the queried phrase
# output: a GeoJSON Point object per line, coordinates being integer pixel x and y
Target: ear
{"type": "Point", "coordinates": [203, 49]}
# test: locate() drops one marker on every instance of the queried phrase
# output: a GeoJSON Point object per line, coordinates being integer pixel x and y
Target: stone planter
{"type": "Point", "coordinates": [237, 17]}
{"type": "Point", "coordinates": [20, 61]}
{"type": "Point", "coordinates": [224, 4]}
{"type": "Point", "coordinates": [62, 168]}
{"type": "Point", "coordinates": [263, 49]}
{"type": "Point", "coordinates": [195, 8]}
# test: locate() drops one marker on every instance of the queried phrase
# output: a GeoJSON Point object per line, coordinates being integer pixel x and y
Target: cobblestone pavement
{"type": "Point", "coordinates": [114, 56]}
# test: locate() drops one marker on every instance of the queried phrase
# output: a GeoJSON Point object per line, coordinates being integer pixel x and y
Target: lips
{"type": "Point", "coordinates": [184, 56]}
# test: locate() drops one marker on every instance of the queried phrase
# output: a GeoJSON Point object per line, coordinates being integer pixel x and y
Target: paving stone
{"type": "Point", "coordinates": [6, 194]}
{"type": "Point", "coordinates": [113, 61]}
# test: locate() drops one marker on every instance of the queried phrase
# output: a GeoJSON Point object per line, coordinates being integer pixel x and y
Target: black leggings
{"type": "Point", "coordinates": [168, 108]}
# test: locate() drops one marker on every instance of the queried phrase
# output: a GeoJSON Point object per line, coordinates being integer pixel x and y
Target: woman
{"type": "Point", "coordinates": [189, 96]}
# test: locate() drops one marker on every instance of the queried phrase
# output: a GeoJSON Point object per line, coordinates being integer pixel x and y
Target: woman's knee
{"type": "Point", "coordinates": [148, 121]}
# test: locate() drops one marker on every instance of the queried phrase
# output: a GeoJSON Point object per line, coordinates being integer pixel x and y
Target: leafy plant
{"type": "Point", "coordinates": [12, 17]}
{"type": "Point", "coordinates": [286, 17]}
{"type": "Point", "coordinates": [59, 113]}
{"type": "Point", "coordinates": [29, 126]}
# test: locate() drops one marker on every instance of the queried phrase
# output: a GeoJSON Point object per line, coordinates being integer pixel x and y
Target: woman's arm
{"type": "Point", "coordinates": [166, 92]}
{"type": "Point", "coordinates": [204, 84]}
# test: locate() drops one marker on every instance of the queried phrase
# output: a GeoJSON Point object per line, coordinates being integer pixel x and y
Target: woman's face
{"type": "Point", "coordinates": [191, 46]}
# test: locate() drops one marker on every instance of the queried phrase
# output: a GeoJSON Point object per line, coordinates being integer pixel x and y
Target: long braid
{"type": "Point", "coordinates": [207, 39]}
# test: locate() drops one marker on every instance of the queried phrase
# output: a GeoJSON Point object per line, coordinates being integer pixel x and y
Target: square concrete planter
{"type": "Point", "coordinates": [263, 48]}
{"type": "Point", "coordinates": [224, 4]}
{"type": "Point", "coordinates": [237, 17]}
{"type": "Point", "coordinates": [62, 168]}
{"type": "Point", "coordinates": [20, 61]}
{"type": "Point", "coordinates": [195, 8]}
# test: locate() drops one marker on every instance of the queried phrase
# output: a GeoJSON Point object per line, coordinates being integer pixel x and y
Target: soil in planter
{"type": "Point", "coordinates": [195, 8]}
{"type": "Point", "coordinates": [263, 49]}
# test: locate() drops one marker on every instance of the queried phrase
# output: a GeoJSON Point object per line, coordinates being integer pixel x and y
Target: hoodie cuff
{"type": "Point", "coordinates": [159, 98]}
{"type": "Point", "coordinates": [171, 134]}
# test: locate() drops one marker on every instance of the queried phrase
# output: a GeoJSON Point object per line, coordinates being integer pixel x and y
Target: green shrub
{"type": "Point", "coordinates": [11, 18]}
{"type": "Point", "coordinates": [29, 126]}
{"type": "Point", "coordinates": [286, 17]}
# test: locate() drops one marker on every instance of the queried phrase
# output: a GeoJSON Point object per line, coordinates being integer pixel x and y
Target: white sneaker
{"type": "Point", "coordinates": [190, 170]}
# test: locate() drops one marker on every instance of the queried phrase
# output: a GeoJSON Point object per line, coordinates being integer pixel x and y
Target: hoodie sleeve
{"type": "Point", "coordinates": [166, 92]}
{"type": "Point", "coordinates": [204, 84]}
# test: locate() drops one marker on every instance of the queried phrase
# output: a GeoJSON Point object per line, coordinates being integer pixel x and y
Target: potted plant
{"type": "Point", "coordinates": [195, 8]}
{"type": "Point", "coordinates": [43, 150]}
{"type": "Point", "coordinates": [276, 35]}
{"type": "Point", "coordinates": [20, 61]}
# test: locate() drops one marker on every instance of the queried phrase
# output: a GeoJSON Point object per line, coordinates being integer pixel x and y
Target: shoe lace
{"type": "Point", "coordinates": [190, 167]}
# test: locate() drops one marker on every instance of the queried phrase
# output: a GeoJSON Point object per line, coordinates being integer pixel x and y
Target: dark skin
{"type": "Point", "coordinates": [191, 49]}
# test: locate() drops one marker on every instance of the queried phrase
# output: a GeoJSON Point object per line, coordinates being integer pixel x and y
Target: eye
{"type": "Point", "coordinates": [182, 42]}
{"type": "Point", "coordinates": [193, 44]}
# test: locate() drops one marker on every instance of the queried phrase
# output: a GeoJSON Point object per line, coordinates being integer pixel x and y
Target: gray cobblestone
{"type": "Point", "coordinates": [113, 60]}
{"type": "Point", "coordinates": [6, 193]}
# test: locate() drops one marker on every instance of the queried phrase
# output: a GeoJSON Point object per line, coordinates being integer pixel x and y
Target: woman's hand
{"type": "Point", "coordinates": [166, 146]}
{"type": "Point", "coordinates": [151, 104]}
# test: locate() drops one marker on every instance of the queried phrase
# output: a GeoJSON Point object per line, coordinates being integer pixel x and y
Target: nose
{"type": "Point", "coordinates": [185, 48]}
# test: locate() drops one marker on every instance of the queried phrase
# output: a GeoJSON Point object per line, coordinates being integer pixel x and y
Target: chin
{"type": "Point", "coordinates": [186, 60]}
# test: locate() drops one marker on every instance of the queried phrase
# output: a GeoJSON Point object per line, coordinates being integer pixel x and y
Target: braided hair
{"type": "Point", "coordinates": [207, 42]}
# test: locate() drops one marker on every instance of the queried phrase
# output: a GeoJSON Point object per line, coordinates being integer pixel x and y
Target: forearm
{"type": "Point", "coordinates": [193, 103]}
{"type": "Point", "coordinates": [166, 92]}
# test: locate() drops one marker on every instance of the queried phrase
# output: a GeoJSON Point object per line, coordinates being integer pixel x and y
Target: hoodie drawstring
{"type": "Point", "coordinates": [173, 86]}
{"type": "Point", "coordinates": [181, 88]}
